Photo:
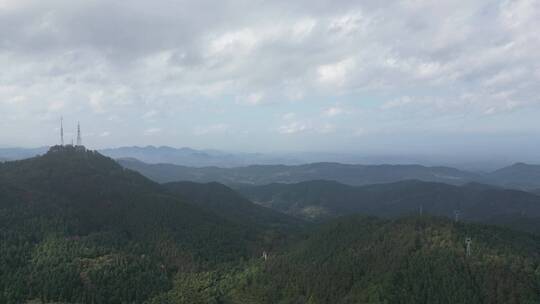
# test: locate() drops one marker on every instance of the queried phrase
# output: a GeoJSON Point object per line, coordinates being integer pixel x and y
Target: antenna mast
{"type": "Point", "coordinates": [79, 139]}
{"type": "Point", "coordinates": [61, 130]}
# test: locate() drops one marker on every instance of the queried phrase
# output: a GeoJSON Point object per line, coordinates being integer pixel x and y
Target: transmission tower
{"type": "Point", "coordinates": [79, 139]}
{"type": "Point", "coordinates": [61, 130]}
{"type": "Point", "coordinates": [468, 242]}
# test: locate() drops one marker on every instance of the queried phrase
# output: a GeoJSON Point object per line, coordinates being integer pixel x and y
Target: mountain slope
{"type": "Point", "coordinates": [225, 202]}
{"type": "Point", "coordinates": [77, 227]}
{"type": "Point", "coordinates": [193, 157]}
{"type": "Point", "coordinates": [520, 175]}
{"type": "Point", "coordinates": [265, 174]}
{"type": "Point", "coordinates": [365, 260]}
{"type": "Point", "coordinates": [21, 153]}
{"type": "Point", "coordinates": [324, 199]}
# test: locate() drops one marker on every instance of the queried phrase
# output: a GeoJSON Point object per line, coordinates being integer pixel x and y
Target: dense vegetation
{"type": "Point", "coordinates": [366, 260]}
{"type": "Point", "coordinates": [75, 227]}
{"type": "Point", "coordinates": [227, 203]}
{"type": "Point", "coordinates": [320, 200]}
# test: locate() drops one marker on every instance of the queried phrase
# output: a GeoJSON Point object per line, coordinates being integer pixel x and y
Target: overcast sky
{"type": "Point", "coordinates": [412, 76]}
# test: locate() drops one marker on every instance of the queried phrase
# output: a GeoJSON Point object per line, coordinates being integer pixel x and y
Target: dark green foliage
{"type": "Point", "coordinates": [77, 227]}
{"type": "Point", "coordinates": [415, 260]}
{"type": "Point", "coordinates": [319, 200]}
{"type": "Point", "coordinates": [225, 202]}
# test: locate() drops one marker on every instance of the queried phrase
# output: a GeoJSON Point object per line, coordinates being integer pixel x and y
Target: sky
{"type": "Point", "coordinates": [412, 76]}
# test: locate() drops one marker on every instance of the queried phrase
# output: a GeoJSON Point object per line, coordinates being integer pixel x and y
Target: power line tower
{"type": "Point", "coordinates": [61, 130]}
{"type": "Point", "coordinates": [456, 215]}
{"type": "Point", "coordinates": [79, 139]}
{"type": "Point", "coordinates": [468, 242]}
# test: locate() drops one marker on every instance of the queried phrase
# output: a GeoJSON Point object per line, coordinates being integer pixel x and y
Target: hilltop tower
{"type": "Point", "coordinates": [79, 139]}
{"type": "Point", "coordinates": [61, 130]}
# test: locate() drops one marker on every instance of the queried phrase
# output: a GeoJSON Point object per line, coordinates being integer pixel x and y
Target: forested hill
{"type": "Point", "coordinates": [227, 203]}
{"type": "Point", "coordinates": [519, 175]}
{"type": "Point", "coordinates": [326, 199]}
{"type": "Point", "coordinates": [77, 227]}
{"type": "Point", "coordinates": [418, 260]}
{"type": "Point", "coordinates": [265, 174]}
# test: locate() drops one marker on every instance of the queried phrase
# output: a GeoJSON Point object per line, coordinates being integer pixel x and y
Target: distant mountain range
{"type": "Point", "coordinates": [319, 200]}
{"type": "Point", "coordinates": [209, 157]}
{"type": "Point", "coordinates": [265, 174]}
{"type": "Point", "coordinates": [194, 158]}
{"type": "Point", "coordinates": [519, 176]}
{"type": "Point", "coordinates": [76, 227]}
{"type": "Point", "coordinates": [167, 164]}
{"type": "Point", "coordinates": [164, 154]}
{"type": "Point", "coordinates": [20, 153]}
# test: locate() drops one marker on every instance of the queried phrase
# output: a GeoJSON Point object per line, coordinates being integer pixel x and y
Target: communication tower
{"type": "Point", "coordinates": [468, 242]}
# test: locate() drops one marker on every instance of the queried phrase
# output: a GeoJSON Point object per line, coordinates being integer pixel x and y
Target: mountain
{"type": "Point", "coordinates": [417, 260]}
{"type": "Point", "coordinates": [265, 174]}
{"type": "Point", "coordinates": [519, 175]}
{"type": "Point", "coordinates": [168, 164]}
{"type": "Point", "coordinates": [77, 227]}
{"type": "Point", "coordinates": [226, 203]}
{"type": "Point", "coordinates": [194, 158]}
{"type": "Point", "coordinates": [326, 199]}
{"type": "Point", "coordinates": [21, 153]}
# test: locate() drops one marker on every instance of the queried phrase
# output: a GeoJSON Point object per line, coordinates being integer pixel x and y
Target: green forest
{"type": "Point", "coordinates": [76, 227]}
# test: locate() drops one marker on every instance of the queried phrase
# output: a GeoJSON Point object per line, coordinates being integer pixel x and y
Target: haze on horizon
{"type": "Point", "coordinates": [416, 77]}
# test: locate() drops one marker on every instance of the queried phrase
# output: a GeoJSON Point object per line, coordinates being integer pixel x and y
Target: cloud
{"type": "Point", "coordinates": [335, 73]}
{"type": "Point", "coordinates": [151, 131]}
{"type": "Point", "coordinates": [194, 61]}
{"type": "Point", "coordinates": [293, 127]}
{"type": "Point", "coordinates": [252, 99]}
{"type": "Point", "coordinates": [150, 115]}
{"type": "Point", "coordinates": [211, 129]}
{"type": "Point", "coordinates": [333, 111]}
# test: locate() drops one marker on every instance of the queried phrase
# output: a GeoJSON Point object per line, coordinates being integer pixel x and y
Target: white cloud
{"type": "Point", "coordinates": [211, 129]}
{"type": "Point", "coordinates": [327, 128]}
{"type": "Point", "coordinates": [236, 42]}
{"type": "Point", "coordinates": [350, 23]}
{"type": "Point", "coordinates": [335, 73]}
{"type": "Point", "coordinates": [190, 64]}
{"type": "Point", "coordinates": [399, 102]}
{"type": "Point", "coordinates": [333, 111]}
{"type": "Point", "coordinates": [150, 115]}
{"type": "Point", "coordinates": [293, 127]}
{"type": "Point", "coordinates": [252, 99]}
{"type": "Point", "coordinates": [152, 131]}
{"type": "Point", "coordinates": [96, 101]}
{"type": "Point", "coordinates": [288, 116]}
